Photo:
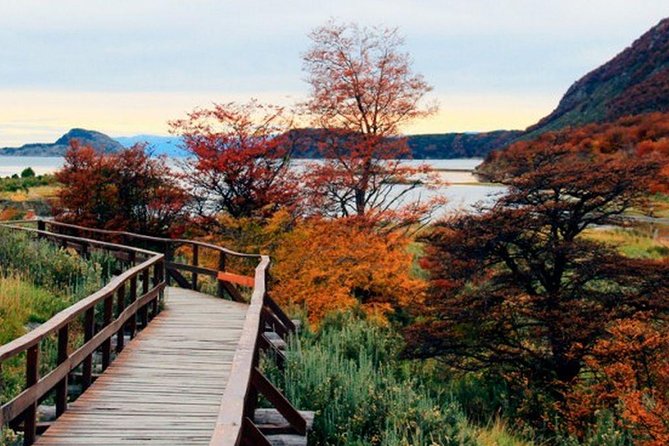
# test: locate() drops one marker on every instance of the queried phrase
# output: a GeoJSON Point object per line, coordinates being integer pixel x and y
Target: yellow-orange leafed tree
{"type": "Point", "coordinates": [326, 265]}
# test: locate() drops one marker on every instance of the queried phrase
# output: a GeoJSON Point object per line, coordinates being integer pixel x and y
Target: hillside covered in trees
{"type": "Point", "coordinates": [635, 81]}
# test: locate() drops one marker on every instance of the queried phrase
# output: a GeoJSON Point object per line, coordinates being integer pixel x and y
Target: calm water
{"type": "Point", "coordinates": [462, 193]}
{"type": "Point", "coordinates": [10, 165]}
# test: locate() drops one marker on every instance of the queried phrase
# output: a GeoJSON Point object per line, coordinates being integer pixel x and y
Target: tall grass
{"type": "Point", "coordinates": [37, 280]}
{"type": "Point", "coordinates": [45, 265]}
{"type": "Point", "coordinates": [19, 301]}
{"type": "Point", "coordinates": [348, 372]}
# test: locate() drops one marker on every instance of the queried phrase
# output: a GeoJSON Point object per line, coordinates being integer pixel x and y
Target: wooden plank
{"type": "Point", "coordinates": [166, 386]}
{"type": "Point", "coordinates": [237, 279]}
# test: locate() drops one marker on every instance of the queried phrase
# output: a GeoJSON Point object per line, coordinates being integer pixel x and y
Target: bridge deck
{"type": "Point", "coordinates": [165, 387]}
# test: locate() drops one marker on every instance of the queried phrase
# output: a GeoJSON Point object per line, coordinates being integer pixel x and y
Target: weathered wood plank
{"type": "Point", "coordinates": [165, 387]}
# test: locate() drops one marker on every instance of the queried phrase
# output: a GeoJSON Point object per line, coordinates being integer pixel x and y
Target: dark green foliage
{"type": "Point", "coordinates": [460, 145]}
{"type": "Point", "coordinates": [25, 182]}
{"type": "Point", "coordinates": [28, 172]}
{"type": "Point", "coordinates": [433, 146]}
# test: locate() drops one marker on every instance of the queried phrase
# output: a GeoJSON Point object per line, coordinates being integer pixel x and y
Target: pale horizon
{"type": "Point", "coordinates": [126, 68]}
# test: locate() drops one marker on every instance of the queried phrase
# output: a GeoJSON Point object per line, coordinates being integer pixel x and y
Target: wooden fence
{"type": "Point", "coordinates": [121, 307]}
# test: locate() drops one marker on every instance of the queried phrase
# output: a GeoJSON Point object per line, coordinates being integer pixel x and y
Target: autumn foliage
{"type": "Point", "coordinates": [239, 159]}
{"type": "Point", "coordinates": [128, 190]}
{"type": "Point", "coordinates": [630, 366]}
{"type": "Point", "coordinates": [363, 89]}
{"type": "Point", "coordinates": [333, 265]}
{"type": "Point", "coordinates": [641, 135]}
{"type": "Point", "coordinates": [517, 292]}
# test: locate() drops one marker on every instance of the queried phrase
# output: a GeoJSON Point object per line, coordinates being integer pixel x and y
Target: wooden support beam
{"type": "Point", "coordinates": [274, 323]}
{"type": "Point", "coordinates": [221, 267]}
{"type": "Point", "coordinates": [196, 261]}
{"type": "Point", "coordinates": [120, 306]}
{"type": "Point", "coordinates": [132, 323]}
{"type": "Point", "coordinates": [251, 435]}
{"type": "Point", "coordinates": [106, 320]}
{"type": "Point", "coordinates": [268, 346]}
{"type": "Point", "coordinates": [282, 316]}
{"type": "Point", "coordinates": [89, 331]}
{"type": "Point", "coordinates": [63, 354]}
{"type": "Point", "coordinates": [280, 402]}
{"type": "Point", "coordinates": [30, 414]}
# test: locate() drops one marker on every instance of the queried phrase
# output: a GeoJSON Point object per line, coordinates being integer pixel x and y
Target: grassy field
{"type": "Point", "coordinates": [640, 242]}
{"type": "Point", "coordinates": [24, 197]}
{"type": "Point", "coordinates": [37, 280]}
{"type": "Point", "coordinates": [32, 193]}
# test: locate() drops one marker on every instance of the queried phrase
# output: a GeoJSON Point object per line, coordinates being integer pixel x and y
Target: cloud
{"type": "Point", "coordinates": [182, 53]}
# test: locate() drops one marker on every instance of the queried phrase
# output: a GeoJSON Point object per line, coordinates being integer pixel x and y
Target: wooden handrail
{"type": "Point", "coordinates": [175, 270]}
{"type": "Point", "coordinates": [22, 408]}
{"type": "Point", "coordinates": [234, 408]}
{"type": "Point", "coordinates": [148, 238]}
{"type": "Point", "coordinates": [235, 424]}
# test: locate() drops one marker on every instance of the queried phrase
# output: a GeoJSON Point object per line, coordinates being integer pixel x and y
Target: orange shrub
{"type": "Point", "coordinates": [631, 367]}
{"type": "Point", "coordinates": [326, 265]}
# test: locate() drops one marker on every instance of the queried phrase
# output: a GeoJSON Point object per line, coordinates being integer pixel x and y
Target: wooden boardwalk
{"type": "Point", "coordinates": [166, 386]}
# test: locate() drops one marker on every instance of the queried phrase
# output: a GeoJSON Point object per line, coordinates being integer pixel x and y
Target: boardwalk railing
{"type": "Point", "coordinates": [122, 304]}
{"type": "Point", "coordinates": [265, 323]}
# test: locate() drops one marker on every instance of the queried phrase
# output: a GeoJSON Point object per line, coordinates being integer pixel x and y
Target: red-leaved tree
{"type": "Point", "coordinates": [363, 90]}
{"type": "Point", "coordinates": [517, 291]}
{"type": "Point", "coordinates": [239, 159]}
{"type": "Point", "coordinates": [128, 190]}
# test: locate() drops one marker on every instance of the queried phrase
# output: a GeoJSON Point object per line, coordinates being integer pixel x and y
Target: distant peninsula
{"type": "Point", "coordinates": [433, 146]}
{"type": "Point", "coordinates": [99, 141]}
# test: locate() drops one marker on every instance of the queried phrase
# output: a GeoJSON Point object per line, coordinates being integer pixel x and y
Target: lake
{"type": "Point", "coordinates": [462, 192]}
{"type": "Point", "coordinates": [10, 165]}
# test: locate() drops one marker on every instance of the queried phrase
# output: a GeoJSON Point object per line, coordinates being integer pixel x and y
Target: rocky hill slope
{"type": "Point", "coordinates": [635, 81]}
{"type": "Point", "coordinates": [99, 141]}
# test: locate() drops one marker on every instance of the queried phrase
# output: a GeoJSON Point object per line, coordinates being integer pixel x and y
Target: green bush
{"type": "Point", "coordinates": [349, 374]}
{"type": "Point", "coordinates": [606, 432]}
{"type": "Point", "coordinates": [28, 172]}
{"type": "Point", "coordinates": [45, 265]}
{"type": "Point", "coordinates": [25, 181]}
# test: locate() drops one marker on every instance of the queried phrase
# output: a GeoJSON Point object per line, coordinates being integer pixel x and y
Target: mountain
{"type": "Point", "coordinates": [429, 146]}
{"type": "Point", "coordinates": [157, 145]}
{"type": "Point", "coordinates": [99, 141]}
{"type": "Point", "coordinates": [460, 145]}
{"type": "Point", "coordinates": [434, 146]}
{"type": "Point", "coordinates": [635, 81]}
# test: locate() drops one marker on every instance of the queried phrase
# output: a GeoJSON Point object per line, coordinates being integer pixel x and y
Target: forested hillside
{"type": "Point", "coordinates": [635, 81]}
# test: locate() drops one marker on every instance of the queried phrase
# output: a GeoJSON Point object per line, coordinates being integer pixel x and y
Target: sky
{"type": "Point", "coordinates": [126, 67]}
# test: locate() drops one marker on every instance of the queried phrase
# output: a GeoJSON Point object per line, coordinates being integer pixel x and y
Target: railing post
{"type": "Point", "coordinates": [196, 261]}
{"type": "Point", "coordinates": [41, 226]}
{"type": "Point", "coordinates": [168, 258]}
{"type": "Point", "coordinates": [61, 388]}
{"type": "Point", "coordinates": [158, 271]}
{"type": "Point", "coordinates": [221, 268]}
{"type": "Point", "coordinates": [144, 311]}
{"type": "Point", "coordinates": [132, 323]}
{"type": "Point", "coordinates": [30, 414]}
{"type": "Point", "coordinates": [106, 320]}
{"type": "Point", "coordinates": [89, 331]}
{"type": "Point", "coordinates": [120, 306]}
